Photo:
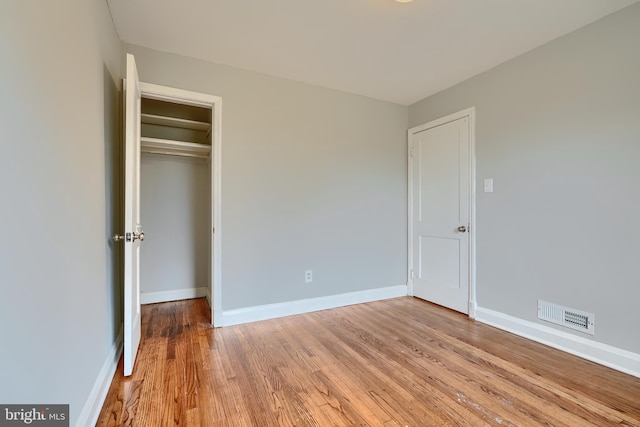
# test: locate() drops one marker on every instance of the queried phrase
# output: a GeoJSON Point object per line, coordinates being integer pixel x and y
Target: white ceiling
{"type": "Point", "coordinates": [378, 48]}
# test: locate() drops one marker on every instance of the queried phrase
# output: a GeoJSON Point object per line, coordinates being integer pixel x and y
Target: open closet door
{"type": "Point", "coordinates": [133, 231]}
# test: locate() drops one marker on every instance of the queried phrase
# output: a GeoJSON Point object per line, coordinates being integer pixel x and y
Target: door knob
{"type": "Point", "coordinates": [130, 237]}
{"type": "Point", "coordinates": [462, 229]}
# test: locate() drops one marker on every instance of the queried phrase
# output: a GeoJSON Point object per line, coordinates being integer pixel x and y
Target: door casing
{"type": "Point", "coordinates": [180, 96]}
{"type": "Point", "coordinates": [470, 114]}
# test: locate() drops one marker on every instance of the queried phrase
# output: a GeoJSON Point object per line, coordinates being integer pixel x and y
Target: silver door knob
{"type": "Point", "coordinates": [118, 237]}
{"type": "Point", "coordinates": [462, 229]}
{"type": "Point", "coordinates": [138, 236]}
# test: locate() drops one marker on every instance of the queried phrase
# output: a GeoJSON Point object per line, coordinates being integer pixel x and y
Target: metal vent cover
{"type": "Point", "coordinates": [567, 317]}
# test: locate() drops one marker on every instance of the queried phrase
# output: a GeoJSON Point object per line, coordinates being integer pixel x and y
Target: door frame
{"type": "Point", "coordinates": [170, 94]}
{"type": "Point", "coordinates": [470, 113]}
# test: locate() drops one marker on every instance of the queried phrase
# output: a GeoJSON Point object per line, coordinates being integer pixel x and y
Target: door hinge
{"type": "Point", "coordinates": [411, 151]}
{"type": "Point", "coordinates": [411, 274]}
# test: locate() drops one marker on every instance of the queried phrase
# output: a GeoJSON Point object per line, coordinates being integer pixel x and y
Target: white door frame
{"type": "Point", "coordinates": [470, 113]}
{"type": "Point", "coordinates": [165, 93]}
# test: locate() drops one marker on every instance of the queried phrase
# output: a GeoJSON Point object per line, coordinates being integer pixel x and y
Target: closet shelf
{"type": "Point", "coordinates": [154, 119]}
{"type": "Point", "coordinates": [174, 148]}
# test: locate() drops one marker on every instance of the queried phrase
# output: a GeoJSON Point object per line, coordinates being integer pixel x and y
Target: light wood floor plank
{"type": "Point", "coordinates": [399, 362]}
{"type": "Point", "coordinates": [466, 377]}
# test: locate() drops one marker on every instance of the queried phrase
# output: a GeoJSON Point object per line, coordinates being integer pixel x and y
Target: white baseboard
{"type": "Point", "coordinates": [271, 311]}
{"type": "Point", "coordinates": [92, 407]}
{"type": "Point", "coordinates": [208, 295]}
{"type": "Point", "coordinates": [604, 354]}
{"type": "Point", "coordinates": [175, 295]}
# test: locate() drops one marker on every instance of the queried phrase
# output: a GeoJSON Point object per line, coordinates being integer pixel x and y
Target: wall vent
{"type": "Point", "coordinates": [567, 317]}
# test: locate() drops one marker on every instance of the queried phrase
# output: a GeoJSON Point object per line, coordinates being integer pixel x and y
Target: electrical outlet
{"type": "Point", "coordinates": [308, 276]}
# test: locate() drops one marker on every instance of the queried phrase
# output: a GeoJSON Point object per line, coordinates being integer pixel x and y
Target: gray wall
{"type": "Point", "coordinates": [312, 179]}
{"type": "Point", "coordinates": [59, 118]}
{"type": "Point", "coordinates": [559, 131]}
{"type": "Point", "coordinates": [174, 209]}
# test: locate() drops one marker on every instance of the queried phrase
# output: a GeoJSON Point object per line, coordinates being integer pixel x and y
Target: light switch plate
{"type": "Point", "coordinates": [488, 185]}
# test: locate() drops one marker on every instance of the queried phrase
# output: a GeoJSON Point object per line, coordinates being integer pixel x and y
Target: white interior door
{"type": "Point", "coordinates": [440, 209]}
{"type": "Point", "coordinates": [133, 230]}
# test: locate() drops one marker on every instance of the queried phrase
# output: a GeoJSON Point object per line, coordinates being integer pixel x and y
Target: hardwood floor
{"type": "Point", "coordinates": [399, 362]}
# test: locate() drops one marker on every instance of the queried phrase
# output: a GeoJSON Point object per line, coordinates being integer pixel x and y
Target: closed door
{"type": "Point", "coordinates": [440, 214]}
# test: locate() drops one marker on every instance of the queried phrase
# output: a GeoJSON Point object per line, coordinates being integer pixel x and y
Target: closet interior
{"type": "Point", "coordinates": [175, 200]}
{"type": "Point", "coordinates": [170, 128]}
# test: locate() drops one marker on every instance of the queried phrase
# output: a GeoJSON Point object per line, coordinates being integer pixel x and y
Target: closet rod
{"type": "Point", "coordinates": [173, 153]}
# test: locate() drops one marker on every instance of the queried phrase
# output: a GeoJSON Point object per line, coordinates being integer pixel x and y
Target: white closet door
{"type": "Point", "coordinates": [133, 229]}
